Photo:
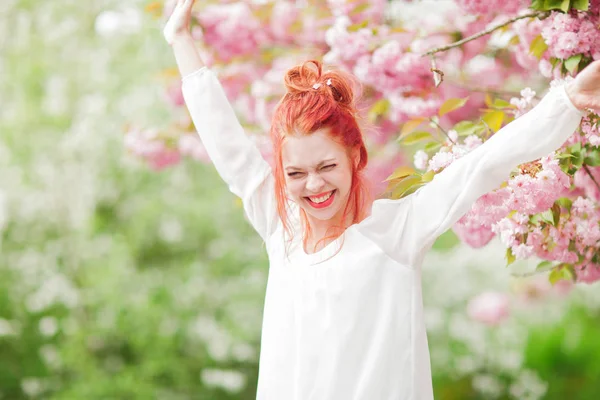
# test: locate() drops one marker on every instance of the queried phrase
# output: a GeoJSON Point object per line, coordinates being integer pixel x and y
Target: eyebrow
{"type": "Point", "coordinates": [317, 166]}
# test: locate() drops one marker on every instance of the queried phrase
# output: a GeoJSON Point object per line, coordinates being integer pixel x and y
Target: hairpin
{"type": "Point", "coordinates": [316, 86]}
{"type": "Point", "coordinates": [329, 82]}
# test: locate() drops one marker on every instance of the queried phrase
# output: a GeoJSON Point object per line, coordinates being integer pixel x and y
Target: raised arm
{"type": "Point", "coordinates": [440, 204]}
{"type": "Point", "coordinates": [233, 154]}
{"type": "Point", "coordinates": [177, 34]}
{"type": "Point", "coordinates": [437, 206]}
{"type": "Point", "coordinates": [407, 228]}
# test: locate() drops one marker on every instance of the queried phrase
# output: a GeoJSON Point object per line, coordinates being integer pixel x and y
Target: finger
{"type": "Point", "coordinates": [188, 4]}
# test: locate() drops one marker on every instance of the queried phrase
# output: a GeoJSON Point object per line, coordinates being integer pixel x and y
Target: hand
{"type": "Point", "coordinates": [584, 91]}
{"type": "Point", "coordinates": [179, 22]}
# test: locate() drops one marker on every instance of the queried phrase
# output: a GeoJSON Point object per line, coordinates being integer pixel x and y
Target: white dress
{"type": "Point", "coordinates": [352, 327]}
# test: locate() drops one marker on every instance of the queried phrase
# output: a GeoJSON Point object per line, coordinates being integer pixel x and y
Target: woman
{"type": "Point", "coordinates": [343, 316]}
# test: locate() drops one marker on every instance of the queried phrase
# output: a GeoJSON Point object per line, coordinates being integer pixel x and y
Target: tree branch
{"type": "Point", "coordinates": [443, 130]}
{"type": "Point", "coordinates": [534, 14]}
{"type": "Point", "coordinates": [585, 167]}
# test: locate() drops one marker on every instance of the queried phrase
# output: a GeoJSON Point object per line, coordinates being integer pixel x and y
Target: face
{"type": "Point", "coordinates": [318, 174]}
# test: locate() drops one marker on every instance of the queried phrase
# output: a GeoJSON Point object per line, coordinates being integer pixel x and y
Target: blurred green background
{"type": "Point", "coordinates": [117, 282]}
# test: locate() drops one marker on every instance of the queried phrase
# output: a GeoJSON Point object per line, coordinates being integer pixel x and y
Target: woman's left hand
{"type": "Point", "coordinates": [584, 91]}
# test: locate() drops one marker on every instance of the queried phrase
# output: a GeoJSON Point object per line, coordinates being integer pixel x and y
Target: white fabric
{"type": "Point", "coordinates": [352, 327]}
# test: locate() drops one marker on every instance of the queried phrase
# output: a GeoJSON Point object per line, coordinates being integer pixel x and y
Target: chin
{"type": "Point", "coordinates": [321, 216]}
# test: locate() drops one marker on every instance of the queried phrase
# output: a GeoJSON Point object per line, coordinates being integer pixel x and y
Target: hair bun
{"type": "Point", "coordinates": [304, 78]}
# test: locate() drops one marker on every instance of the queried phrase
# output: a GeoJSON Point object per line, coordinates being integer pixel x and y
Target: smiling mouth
{"type": "Point", "coordinates": [322, 200]}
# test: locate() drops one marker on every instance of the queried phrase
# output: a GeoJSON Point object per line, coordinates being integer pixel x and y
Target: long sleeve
{"type": "Point", "coordinates": [407, 228]}
{"type": "Point", "coordinates": [233, 154]}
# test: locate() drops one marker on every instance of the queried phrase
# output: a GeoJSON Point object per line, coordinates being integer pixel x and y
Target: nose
{"type": "Point", "coordinates": [314, 183]}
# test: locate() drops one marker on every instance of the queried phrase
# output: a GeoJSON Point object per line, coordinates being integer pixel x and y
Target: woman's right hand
{"type": "Point", "coordinates": [178, 24]}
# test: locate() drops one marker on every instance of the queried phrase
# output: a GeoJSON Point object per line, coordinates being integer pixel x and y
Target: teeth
{"type": "Point", "coordinates": [321, 199]}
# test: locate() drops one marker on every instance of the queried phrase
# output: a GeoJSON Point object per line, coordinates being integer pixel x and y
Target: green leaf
{"type": "Point", "coordinates": [412, 189]}
{"type": "Point", "coordinates": [381, 107]}
{"type": "Point", "coordinates": [500, 103]}
{"type": "Point", "coordinates": [564, 5]}
{"type": "Point", "coordinates": [575, 147]}
{"type": "Point", "coordinates": [546, 5]}
{"type": "Point", "coordinates": [564, 202]}
{"type": "Point", "coordinates": [446, 241]}
{"type": "Point", "coordinates": [555, 214]}
{"type": "Point", "coordinates": [547, 216]}
{"type": "Point", "coordinates": [357, 27]}
{"type": "Point", "coordinates": [488, 100]}
{"type": "Point", "coordinates": [432, 146]}
{"type": "Point", "coordinates": [510, 257]}
{"type": "Point", "coordinates": [538, 46]}
{"type": "Point", "coordinates": [360, 8]}
{"type": "Point", "coordinates": [562, 272]}
{"type": "Point", "coordinates": [410, 126]}
{"type": "Point", "coordinates": [561, 156]}
{"type": "Point", "coordinates": [577, 160]}
{"type": "Point", "coordinates": [428, 176]}
{"type": "Point", "coordinates": [555, 275]}
{"type": "Point", "coordinates": [415, 137]}
{"type": "Point", "coordinates": [582, 5]}
{"type": "Point", "coordinates": [494, 119]}
{"type": "Point", "coordinates": [544, 265]}
{"type": "Point", "coordinates": [401, 172]}
{"type": "Point", "coordinates": [451, 105]}
{"type": "Point", "coordinates": [466, 128]}
{"type": "Point", "coordinates": [592, 158]}
{"type": "Point", "coordinates": [404, 185]}
{"type": "Point", "coordinates": [537, 5]}
{"type": "Point", "coordinates": [572, 62]}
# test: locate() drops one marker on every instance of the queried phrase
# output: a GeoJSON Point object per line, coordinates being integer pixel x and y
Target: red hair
{"type": "Point", "coordinates": [316, 101]}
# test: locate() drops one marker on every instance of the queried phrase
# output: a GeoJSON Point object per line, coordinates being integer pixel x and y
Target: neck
{"type": "Point", "coordinates": [319, 227]}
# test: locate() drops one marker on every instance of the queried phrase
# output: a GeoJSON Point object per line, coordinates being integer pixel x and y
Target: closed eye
{"type": "Point", "coordinates": [297, 174]}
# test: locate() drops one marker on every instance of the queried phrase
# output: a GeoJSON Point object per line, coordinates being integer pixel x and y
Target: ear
{"type": "Point", "coordinates": [355, 156]}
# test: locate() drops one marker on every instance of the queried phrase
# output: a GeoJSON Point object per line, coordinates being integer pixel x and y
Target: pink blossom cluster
{"type": "Point", "coordinates": [590, 130]}
{"type": "Point", "coordinates": [583, 228]}
{"type": "Point", "coordinates": [524, 195]}
{"type": "Point", "coordinates": [237, 77]}
{"type": "Point", "coordinates": [524, 103]}
{"type": "Point", "coordinates": [346, 47]}
{"type": "Point", "coordinates": [453, 150]}
{"type": "Point", "coordinates": [586, 184]}
{"type": "Point", "coordinates": [391, 69]}
{"type": "Point", "coordinates": [231, 30]}
{"type": "Point", "coordinates": [570, 34]}
{"type": "Point", "coordinates": [403, 107]}
{"type": "Point", "coordinates": [372, 10]}
{"type": "Point", "coordinates": [578, 232]}
{"type": "Point", "coordinates": [527, 30]}
{"type": "Point", "coordinates": [488, 7]}
{"type": "Point", "coordinates": [173, 93]}
{"type": "Point", "coordinates": [534, 194]}
{"type": "Point", "coordinates": [283, 16]}
{"type": "Point", "coordinates": [490, 308]}
{"type": "Point", "coordinates": [266, 90]}
{"type": "Point", "coordinates": [149, 145]}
